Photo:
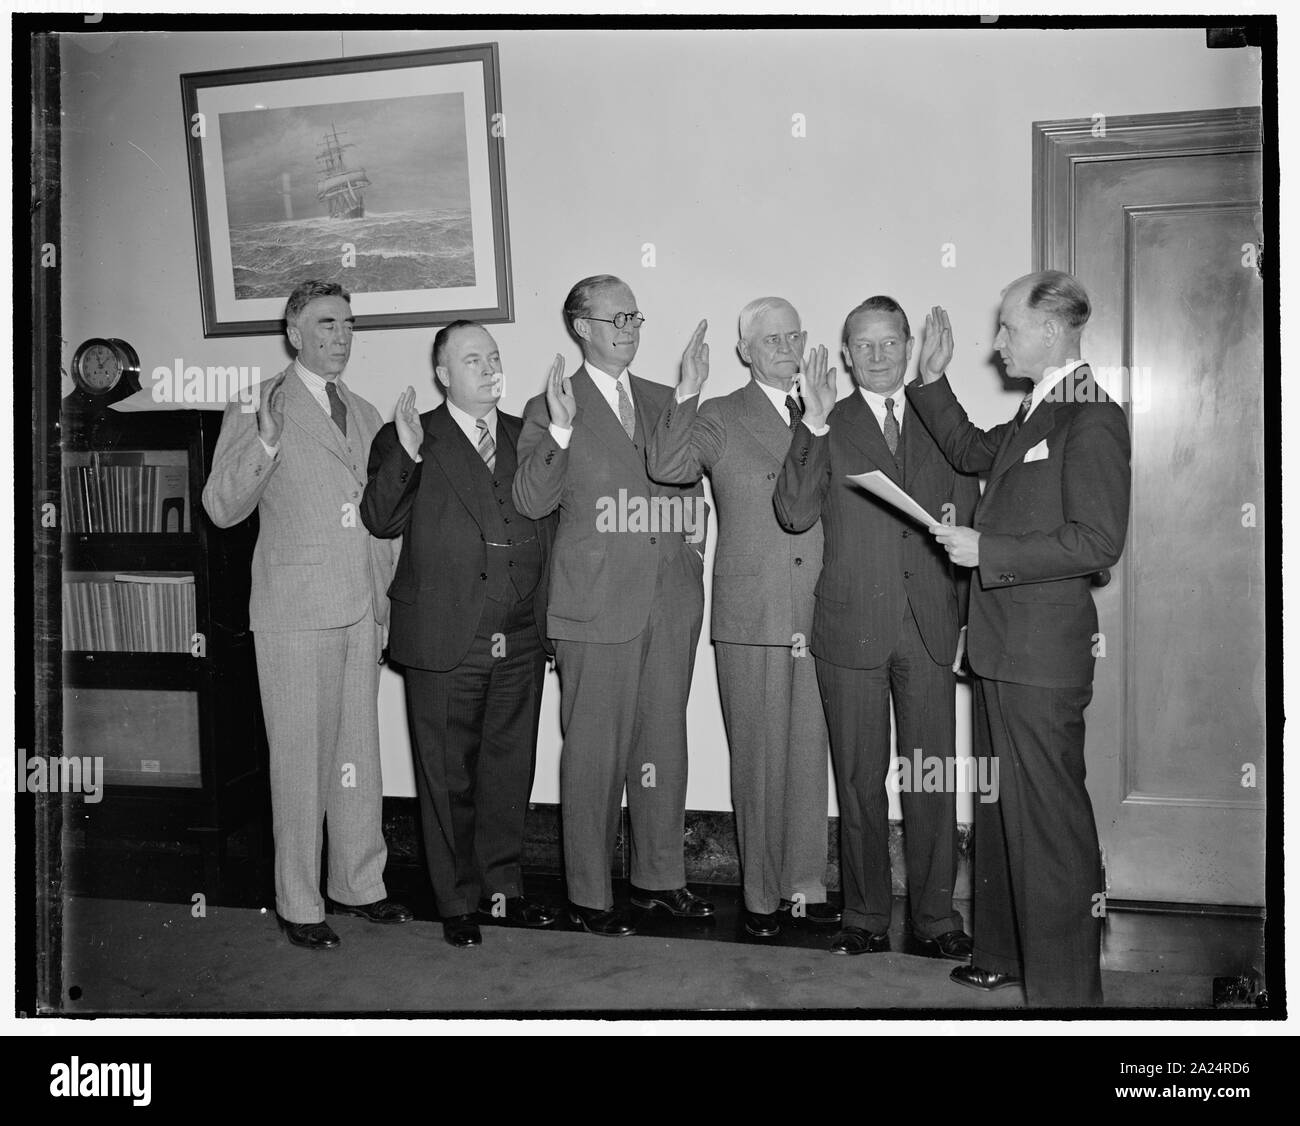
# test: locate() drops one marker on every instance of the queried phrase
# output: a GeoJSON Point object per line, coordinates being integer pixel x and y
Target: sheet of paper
{"type": "Point", "coordinates": [879, 485]}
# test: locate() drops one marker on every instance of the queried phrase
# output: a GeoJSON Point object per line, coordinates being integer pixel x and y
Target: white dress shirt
{"type": "Point", "coordinates": [1044, 387]}
{"type": "Point", "coordinates": [469, 424]}
{"type": "Point", "coordinates": [877, 405]}
{"type": "Point", "coordinates": [316, 385]}
{"type": "Point", "coordinates": [608, 386]}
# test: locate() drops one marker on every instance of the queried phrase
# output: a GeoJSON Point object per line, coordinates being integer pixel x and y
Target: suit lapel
{"type": "Point", "coordinates": [306, 413]}
{"type": "Point", "coordinates": [446, 443]}
{"type": "Point", "coordinates": [863, 431]}
{"type": "Point", "coordinates": [1040, 423]}
{"type": "Point", "coordinates": [917, 443]}
{"type": "Point", "coordinates": [764, 421]}
{"type": "Point", "coordinates": [602, 422]}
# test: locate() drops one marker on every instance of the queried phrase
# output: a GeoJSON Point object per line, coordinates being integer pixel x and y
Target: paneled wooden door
{"type": "Point", "coordinates": [1160, 218]}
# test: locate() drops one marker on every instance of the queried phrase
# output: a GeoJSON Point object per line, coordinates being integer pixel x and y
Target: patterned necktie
{"type": "Point", "coordinates": [796, 411]}
{"type": "Point", "coordinates": [487, 449]}
{"type": "Point", "coordinates": [338, 412]}
{"type": "Point", "coordinates": [891, 427]}
{"type": "Point", "coordinates": [626, 415]}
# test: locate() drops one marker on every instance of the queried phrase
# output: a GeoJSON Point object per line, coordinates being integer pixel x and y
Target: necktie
{"type": "Point", "coordinates": [625, 413]}
{"type": "Point", "coordinates": [338, 412]}
{"type": "Point", "coordinates": [1023, 412]}
{"type": "Point", "coordinates": [891, 427]}
{"type": "Point", "coordinates": [796, 411]}
{"type": "Point", "coordinates": [487, 449]}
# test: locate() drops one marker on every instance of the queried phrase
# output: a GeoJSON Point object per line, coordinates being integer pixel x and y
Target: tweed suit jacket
{"type": "Point", "coordinates": [315, 566]}
{"type": "Point", "coordinates": [763, 574]}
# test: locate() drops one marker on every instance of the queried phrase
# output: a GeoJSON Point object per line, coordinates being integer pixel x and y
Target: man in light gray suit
{"type": "Point", "coordinates": [763, 579]}
{"type": "Point", "coordinates": [319, 613]}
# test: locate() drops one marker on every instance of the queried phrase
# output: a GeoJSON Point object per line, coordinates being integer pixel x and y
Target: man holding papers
{"type": "Point", "coordinates": [1054, 512]}
{"type": "Point", "coordinates": [885, 624]}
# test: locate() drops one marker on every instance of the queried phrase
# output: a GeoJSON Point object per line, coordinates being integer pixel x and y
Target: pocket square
{"type": "Point", "coordinates": [1038, 453]}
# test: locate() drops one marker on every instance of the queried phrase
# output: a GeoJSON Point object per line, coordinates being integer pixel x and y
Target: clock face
{"type": "Point", "coordinates": [100, 368]}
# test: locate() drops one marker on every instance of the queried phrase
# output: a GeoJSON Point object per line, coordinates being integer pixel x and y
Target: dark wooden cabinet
{"type": "Point", "coordinates": [179, 732]}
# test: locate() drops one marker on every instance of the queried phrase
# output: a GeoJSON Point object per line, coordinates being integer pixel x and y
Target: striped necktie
{"type": "Point", "coordinates": [487, 449]}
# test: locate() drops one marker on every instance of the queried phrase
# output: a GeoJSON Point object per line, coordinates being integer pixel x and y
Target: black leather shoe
{"type": "Point", "coordinates": [310, 936]}
{"type": "Point", "coordinates": [814, 914]}
{"type": "Point", "coordinates": [984, 980]}
{"type": "Point", "coordinates": [856, 940]}
{"type": "Point", "coordinates": [610, 923]}
{"type": "Point", "coordinates": [462, 931]}
{"type": "Point", "coordinates": [762, 926]}
{"type": "Point", "coordinates": [956, 945]}
{"type": "Point", "coordinates": [682, 902]}
{"type": "Point", "coordinates": [381, 911]}
{"type": "Point", "coordinates": [519, 912]}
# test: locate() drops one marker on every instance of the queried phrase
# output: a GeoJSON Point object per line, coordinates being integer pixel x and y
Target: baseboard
{"type": "Point", "coordinates": [710, 846]}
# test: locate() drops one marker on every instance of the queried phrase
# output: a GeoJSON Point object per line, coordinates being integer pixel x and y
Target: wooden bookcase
{"type": "Point", "coordinates": [180, 732]}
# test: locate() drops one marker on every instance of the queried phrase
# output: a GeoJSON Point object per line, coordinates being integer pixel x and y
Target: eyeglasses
{"type": "Point", "coordinates": [619, 320]}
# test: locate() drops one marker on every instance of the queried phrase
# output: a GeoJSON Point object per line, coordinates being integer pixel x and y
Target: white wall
{"type": "Point", "coordinates": [683, 139]}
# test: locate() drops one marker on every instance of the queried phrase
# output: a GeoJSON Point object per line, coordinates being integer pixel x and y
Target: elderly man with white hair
{"type": "Point", "coordinates": [763, 579]}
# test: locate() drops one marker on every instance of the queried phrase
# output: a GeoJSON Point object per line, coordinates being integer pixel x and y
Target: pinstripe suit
{"type": "Point", "coordinates": [763, 578]}
{"type": "Point", "coordinates": [318, 610]}
{"type": "Point", "coordinates": [886, 624]}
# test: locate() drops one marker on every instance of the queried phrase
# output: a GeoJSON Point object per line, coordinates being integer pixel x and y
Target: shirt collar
{"type": "Point", "coordinates": [1050, 379]}
{"type": "Point", "coordinates": [314, 382]}
{"type": "Point", "coordinates": [877, 402]}
{"type": "Point", "coordinates": [776, 395]}
{"type": "Point", "coordinates": [599, 375]}
{"type": "Point", "coordinates": [468, 423]}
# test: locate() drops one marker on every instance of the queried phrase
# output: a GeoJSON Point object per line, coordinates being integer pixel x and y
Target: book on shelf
{"type": "Point", "coordinates": [126, 491]}
{"type": "Point", "coordinates": [134, 612]}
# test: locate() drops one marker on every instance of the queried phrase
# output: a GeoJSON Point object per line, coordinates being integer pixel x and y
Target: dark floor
{"type": "Point", "coordinates": [1147, 941]}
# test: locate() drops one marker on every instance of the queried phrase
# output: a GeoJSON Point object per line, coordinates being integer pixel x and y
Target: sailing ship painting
{"type": "Point", "coordinates": [374, 195]}
{"type": "Point", "coordinates": [339, 186]}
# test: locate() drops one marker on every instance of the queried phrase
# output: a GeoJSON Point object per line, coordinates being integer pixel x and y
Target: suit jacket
{"type": "Point", "coordinates": [602, 582]}
{"type": "Point", "coordinates": [437, 509]}
{"type": "Point", "coordinates": [876, 560]}
{"type": "Point", "coordinates": [763, 575]}
{"type": "Point", "coordinates": [1046, 525]}
{"type": "Point", "coordinates": [314, 566]}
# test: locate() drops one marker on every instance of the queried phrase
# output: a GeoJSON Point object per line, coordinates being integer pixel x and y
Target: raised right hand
{"type": "Point", "coordinates": [818, 387]}
{"type": "Point", "coordinates": [270, 411]}
{"type": "Point", "coordinates": [559, 395]}
{"type": "Point", "coordinates": [406, 419]}
{"type": "Point", "coordinates": [695, 362]}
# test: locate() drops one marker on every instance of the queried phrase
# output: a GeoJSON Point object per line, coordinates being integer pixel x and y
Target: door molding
{"type": "Point", "coordinates": [1059, 146]}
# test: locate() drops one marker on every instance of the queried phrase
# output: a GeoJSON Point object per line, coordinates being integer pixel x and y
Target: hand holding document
{"type": "Point", "coordinates": [879, 485]}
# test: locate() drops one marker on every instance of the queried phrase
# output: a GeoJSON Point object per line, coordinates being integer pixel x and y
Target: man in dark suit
{"type": "Point", "coordinates": [763, 578]}
{"type": "Point", "coordinates": [469, 628]}
{"type": "Point", "coordinates": [318, 612]}
{"type": "Point", "coordinates": [1054, 514]}
{"type": "Point", "coordinates": [886, 626]}
{"type": "Point", "coordinates": [626, 606]}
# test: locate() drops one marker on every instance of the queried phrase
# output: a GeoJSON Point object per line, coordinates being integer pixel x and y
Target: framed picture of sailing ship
{"type": "Point", "coordinates": [383, 173]}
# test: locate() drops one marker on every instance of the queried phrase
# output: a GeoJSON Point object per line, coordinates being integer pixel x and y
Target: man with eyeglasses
{"type": "Point", "coordinates": [885, 626]}
{"type": "Point", "coordinates": [763, 578]}
{"type": "Point", "coordinates": [625, 610]}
